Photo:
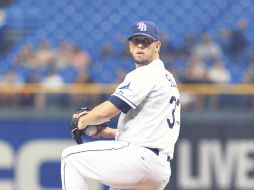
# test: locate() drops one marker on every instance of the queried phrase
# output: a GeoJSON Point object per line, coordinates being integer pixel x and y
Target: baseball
{"type": "Point", "coordinates": [91, 130]}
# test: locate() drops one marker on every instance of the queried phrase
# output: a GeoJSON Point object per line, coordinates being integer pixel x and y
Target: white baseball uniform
{"type": "Point", "coordinates": [148, 129]}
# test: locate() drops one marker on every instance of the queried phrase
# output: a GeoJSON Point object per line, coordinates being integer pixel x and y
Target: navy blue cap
{"type": "Point", "coordinates": [144, 28]}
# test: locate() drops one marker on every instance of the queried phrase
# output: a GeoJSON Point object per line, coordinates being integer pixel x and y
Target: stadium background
{"type": "Point", "coordinates": [58, 55]}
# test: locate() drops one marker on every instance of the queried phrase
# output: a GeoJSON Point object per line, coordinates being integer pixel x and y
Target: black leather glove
{"type": "Point", "coordinates": [90, 130]}
{"type": "Point", "coordinates": [77, 134]}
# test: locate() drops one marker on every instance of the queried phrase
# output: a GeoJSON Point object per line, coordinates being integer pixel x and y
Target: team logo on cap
{"type": "Point", "coordinates": [141, 26]}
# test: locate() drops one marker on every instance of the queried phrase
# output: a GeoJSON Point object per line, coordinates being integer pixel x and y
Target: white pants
{"type": "Point", "coordinates": [118, 164]}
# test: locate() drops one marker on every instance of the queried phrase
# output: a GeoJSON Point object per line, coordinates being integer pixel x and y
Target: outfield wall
{"type": "Point", "coordinates": [215, 151]}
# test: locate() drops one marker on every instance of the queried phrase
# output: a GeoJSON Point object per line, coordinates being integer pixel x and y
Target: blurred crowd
{"type": "Point", "coordinates": [224, 58]}
{"type": "Point", "coordinates": [212, 59]}
{"type": "Point", "coordinates": [201, 58]}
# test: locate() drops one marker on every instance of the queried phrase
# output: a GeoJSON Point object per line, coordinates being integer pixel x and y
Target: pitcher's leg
{"type": "Point", "coordinates": [96, 160]}
{"type": "Point", "coordinates": [116, 164]}
{"type": "Point", "coordinates": [71, 178]}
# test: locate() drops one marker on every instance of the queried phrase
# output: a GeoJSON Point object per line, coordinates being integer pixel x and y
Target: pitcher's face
{"type": "Point", "coordinates": [144, 49]}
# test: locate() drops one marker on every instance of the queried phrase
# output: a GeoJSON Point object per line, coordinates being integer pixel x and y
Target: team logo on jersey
{"type": "Point", "coordinates": [141, 26]}
{"type": "Point", "coordinates": [125, 86]}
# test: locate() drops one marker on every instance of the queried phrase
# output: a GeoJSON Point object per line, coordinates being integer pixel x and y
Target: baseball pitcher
{"type": "Point", "coordinates": [147, 130]}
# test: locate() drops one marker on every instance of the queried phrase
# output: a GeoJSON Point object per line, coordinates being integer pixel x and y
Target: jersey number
{"type": "Point", "coordinates": [175, 102]}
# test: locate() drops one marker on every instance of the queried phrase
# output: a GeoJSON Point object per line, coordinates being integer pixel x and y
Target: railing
{"type": "Point", "coordinates": [204, 89]}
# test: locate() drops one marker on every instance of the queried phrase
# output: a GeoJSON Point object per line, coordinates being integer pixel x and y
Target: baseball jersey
{"type": "Point", "coordinates": [149, 100]}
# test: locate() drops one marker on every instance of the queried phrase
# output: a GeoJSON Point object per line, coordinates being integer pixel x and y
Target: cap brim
{"type": "Point", "coordinates": [142, 34]}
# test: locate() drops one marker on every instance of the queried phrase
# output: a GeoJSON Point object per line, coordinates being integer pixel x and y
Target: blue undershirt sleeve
{"type": "Point", "coordinates": [119, 103]}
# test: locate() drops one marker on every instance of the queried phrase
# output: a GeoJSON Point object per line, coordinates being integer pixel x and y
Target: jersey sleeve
{"type": "Point", "coordinates": [132, 91]}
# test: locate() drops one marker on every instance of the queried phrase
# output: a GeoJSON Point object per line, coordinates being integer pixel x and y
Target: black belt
{"type": "Point", "coordinates": [157, 151]}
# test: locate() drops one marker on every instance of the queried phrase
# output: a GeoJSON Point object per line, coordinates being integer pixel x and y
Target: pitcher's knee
{"type": "Point", "coordinates": [66, 153]}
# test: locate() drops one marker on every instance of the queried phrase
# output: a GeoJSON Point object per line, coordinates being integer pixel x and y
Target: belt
{"type": "Point", "coordinates": [157, 151]}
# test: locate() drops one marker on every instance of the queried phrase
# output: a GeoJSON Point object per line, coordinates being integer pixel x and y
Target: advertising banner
{"type": "Point", "coordinates": [214, 154]}
{"type": "Point", "coordinates": [30, 154]}
{"type": "Point", "coordinates": [209, 155]}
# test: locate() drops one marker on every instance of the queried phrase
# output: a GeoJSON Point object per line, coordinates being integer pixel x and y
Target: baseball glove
{"type": "Point", "coordinates": [90, 130]}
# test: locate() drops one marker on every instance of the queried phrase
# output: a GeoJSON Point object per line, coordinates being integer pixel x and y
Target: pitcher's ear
{"type": "Point", "coordinates": [130, 47]}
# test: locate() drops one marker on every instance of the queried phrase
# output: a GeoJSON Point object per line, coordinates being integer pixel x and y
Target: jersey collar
{"type": "Point", "coordinates": [157, 62]}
